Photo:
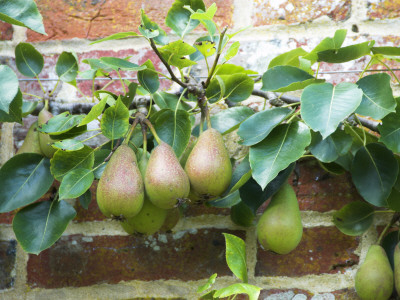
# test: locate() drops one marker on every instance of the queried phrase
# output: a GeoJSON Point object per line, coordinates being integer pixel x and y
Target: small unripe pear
{"type": "Point", "coordinates": [374, 279]}
{"type": "Point", "coordinates": [279, 229]}
{"type": "Point", "coordinates": [44, 139]}
{"type": "Point", "coordinates": [165, 180]}
{"type": "Point", "coordinates": [120, 192]}
{"type": "Point", "coordinates": [208, 165]}
{"type": "Point", "coordinates": [31, 142]}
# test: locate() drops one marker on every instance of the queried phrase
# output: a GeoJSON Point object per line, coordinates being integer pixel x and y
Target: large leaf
{"type": "Point", "coordinates": [240, 176]}
{"type": "Point", "coordinates": [389, 243]}
{"type": "Point", "coordinates": [46, 222]}
{"type": "Point", "coordinates": [174, 54]}
{"type": "Point", "coordinates": [236, 256]}
{"type": "Point", "coordinates": [242, 214]}
{"type": "Point", "coordinates": [61, 123]}
{"type": "Point", "coordinates": [28, 60]}
{"type": "Point", "coordinates": [95, 111]}
{"type": "Point", "coordinates": [67, 67]}
{"type": "Point", "coordinates": [324, 106]}
{"type": "Point", "coordinates": [226, 201]}
{"type": "Point", "coordinates": [117, 36]}
{"type": "Point", "coordinates": [374, 172]}
{"type": "Point", "coordinates": [115, 121]}
{"type": "Point", "coordinates": [22, 13]}
{"type": "Point", "coordinates": [327, 43]}
{"type": "Point", "coordinates": [284, 145]}
{"type": "Point", "coordinates": [345, 54]}
{"type": "Point", "coordinates": [76, 183]}
{"type": "Point", "coordinates": [386, 50]}
{"type": "Point", "coordinates": [394, 200]}
{"type": "Point", "coordinates": [28, 107]}
{"type": "Point", "coordinates": [68, 145]}
{"type": "Point", "coordinates": [238, 288]}
{"type": "Point", "coordinates": [151, 30]}
{"type": "Point", "coordinates": [148, 78]}
{"type": "Point", "coordinates": [354, 218]}
{"type": "Point", "coordinates": [377, 100]}
{"type": "Point", "coordinates": [236, 87]}
{"type": "Point", "coordinates": [290, 58]}
{"type": "Point", "coordinates": [258, 126]}
{"type": "Point", "coordinates": [9, 87]}
{"type": "Point", "coordinates": [167, 100]}
{"type": "Point", "coordinates": [174, 128]}
{"type": "Point", "coordinates": [15, 110]}
{"type": "Point", "coordinates": [117, 64]}
{"type": "Point", "coordinates": [390, 131]}
{"type": "Point", "coordinates": [24, 179]}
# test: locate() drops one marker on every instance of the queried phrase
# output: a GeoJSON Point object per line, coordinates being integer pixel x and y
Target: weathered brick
{"type": "Point", "coordinates": [267, 12]}
{"type": "Point", "coordinates": [383, 9]}
{"type": "Point", "coordinates": [82, 261]}
{"type": "Point", "coordinates": [6, 218]}
{"type": "Point", "coordinates": [321, 250]}
{"type": "Point", "coordinates": [285, 294]}
{"type": "Point", "coordinates": [7, 262]}
{"type": "Point", "coordinates": [346, 294]}
{"type": "Point", "coordinates": [96, 19]}
{"type": "Point", "coordinates": [6, 31]}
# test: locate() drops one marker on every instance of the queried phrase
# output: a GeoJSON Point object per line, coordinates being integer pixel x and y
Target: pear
{"type": "Point", "coordinates": [279, 229]}
{"type": "Point", "coordinates": [44, 139]}
{"type": "Point", "coordinates": [173, 216]}
{"type": "Point", "coordinates": [165, 180]}
{"type": "Point", "coordinates": [374, 279]}
{"type": "Point", "coordinates": [31, 142]}
{"type": "Point", "coordinates": [120, 191]}
{"type": "Point", "coordinates": [396, 258]}
{"type": "Point", "coordinates": [208, 165]}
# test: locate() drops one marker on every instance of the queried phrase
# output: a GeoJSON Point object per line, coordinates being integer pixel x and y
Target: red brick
{"type": "Point", "coordinates": [321, 250]}
{"type": "Point", "coordinates": [96, 19]}
{"type": "Point", "coordinates": [6, 31]}
{"type": "Point", "coordinates": [346, 294]}
{"type": "Point", "coordinates": [7, 263]}
{"type": "Point", "coordinates": [82, 261]}
{"type": "Point", "coordinates": [293, 12]}
{"type": "Point", "coordinates": [383, 9]}
{"type": "Point", "coordinates": [6, 218]}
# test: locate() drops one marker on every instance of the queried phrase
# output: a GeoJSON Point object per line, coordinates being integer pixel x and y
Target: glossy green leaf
{"type": "Point", "coordinates": [290, 58]}
{"type": "Point", "coordinates": [236, 88]}
{"type": "Point", "coordinates": [9, 87]}
{"type": "Point", "coordinates": [284, 145]}
{"type": "Point", "coordinates": [207, 15]}
{"type": "Point", "coordinates": [96, 64]}
{"type": "Point", "coordinates": [327, 43]}
{"type": "Point", "coordinates": [324, 106]}
{"type": "Point", "coordinates": [211, 40]}
{"type": "Point", "coordinates": [117, 64]}
{"type": "Point", "coordinates": [99, 166]}
{"type": "Point", "coordinates": [229, 69]}
{"type": "Point", "coordinates": [167, 100]}
{"type": "Point", "coordinates": [239, 288]}
{"type": "Point", "coordinates": [394, 200]}
{"type": "Point", "coordinates": [85, 199]}
{"type": "Point", "coordinates": [129, 96]}
{"type": "Point", "coordinates": [174, 53]}
{"type": "Point", "coordinates": [386, 50]}
{"type": "Point", "coordinates": [374, 172]}
{"type": "Point", "coordinates": [377, 100]}
{"type": "Point", "coordinates": [226, 201]}
{"type": "Point", "coordinates": [28, 60]}
{"type": "Point", "coordinates": [95, 111]}
{"type": "Point", "coordinates": [389, 243]}
{"type": "Point", "coordinates": [28, 107]}
{"type": "Point", "coordinates": [151, 30]}
{"type": "Point", "coordinates": [258, 126]}
{"type": "Point", "coordinates": [68, 145]}
{"type": "Point", "coordinates": [397, 184]}
{"type": "Point", "coordinates": [333, 168]}
{"type": "Point", "coordinates": [148, 78]}
{"type": "Point", "coordinates": [46, 222]}
{"type": "Point", "coordinates": [117, 36]}
{"type": "Point", "coordinates": [242, 215]}
{"type": "Point", "coordinates": [61, 123]}
{"type": "Point", "coordinates": [76, 183]}
{"type": "Point", "coordinates": [286, 78]}
{"type": "Point", "coordinates": [236, 256]}
{"type": "Point", "coordinates": [329, 149]}
{"type": "Point", "coordinates": [176, 60]}
{"type": "Point", "coordinates": [174, 128]}
{"type": "Point", "coordinates": [115, 121]}
{"type": "Point", "coordinates": [67, 67]}
{"type": "Point", "coordinates": [15, 110]}
{"type": "Point", "coordinates": [241, 174]}
{"type": "Point", "coordinates": [66, 161]}
{"type": "Point", "coordinates": [390, 131]}
{"type": "Point", "coordinates": [358, 134]}
{"type": "Point", "coordinates": [232, 51]}
{"type": "Point", "coordinates": [70, 134]}
{"type": "Point", "coordinates": [354, 218]}
{"type": "Point", "coordinates": [24, 179]}
{"type": "Point", "coordinates": [346, 54]}
{"type": "Point", "coordinates": [206, 48]}
{"type": "Point", "coordinates": [22, 13]}
{"type": "Point", "coordinates": [208, 284]}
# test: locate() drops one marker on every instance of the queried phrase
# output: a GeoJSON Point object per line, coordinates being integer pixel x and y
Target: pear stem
{"type": "Point", "coordinates": [395, 218]}
{"type": "Point", "coordinates": [144, 133]}
{"type": "Point", "coordinates": [153, 131]}
{"type": "Point", "coordinates": [128, 137]}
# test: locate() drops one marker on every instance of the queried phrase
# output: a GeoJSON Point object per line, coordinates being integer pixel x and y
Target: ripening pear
{"type": "Point", "coordinates": [208, 165]}
{"type": "Point", "coordinates": [31, 142]}
{"type": "Point", "coordinates": [44, 139]}
{"type": "Point", "coordinates": [279, 229]}
{"type": "Point", "coordinates": [120, 192]}
{"type": "Point", "coordinates": [165, 180]}
{"type": "Point", "coordinates": [374, 279]}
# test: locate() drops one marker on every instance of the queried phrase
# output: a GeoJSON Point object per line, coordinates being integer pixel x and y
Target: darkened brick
{"type": "Point", "coordinates": [6, 31]}
{"type": "Point", "coordinates": [7, 263]}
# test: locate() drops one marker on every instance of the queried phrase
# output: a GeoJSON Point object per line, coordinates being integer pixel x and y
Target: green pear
{"type": "Point", "coordinates": [165, 180]}
{"type": "Point", "coordinates": [374, 279]}
{"type": "Point", "coordinates": [31, 142]}
{"type": "Point", "coordinates": [120, 191]}
{"type": "Point", "coordinates": [208, 165]}
{"type": "Point", "coordinates": [279, 229]}
{"type": "Point", "coordinates": [44, 139]}
{"type": "Point", "coordinates": [173, 216]}
{"type": "Point", "coordinates": [396, 257]}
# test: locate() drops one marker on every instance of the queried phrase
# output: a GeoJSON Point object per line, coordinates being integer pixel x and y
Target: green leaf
{"type": "Point", "coordinates": [46, 222]}
{"type": "Point", "coordinates": [390, 131]}
{"type": "Point", "coordinates": [327, 43]}
{"type": "Point", "coordinates": [167, 100]}
{"type": "Point", "coordinates": [374, 172]}
{"type": "Point", "coordinates": [346, 54]}
{"type": "Point", "coordinates": [174, 53]}
{"type": "Point", "coordinates": [178, 17]}
{"type": "Point", "coordinates": [9, 87]}
{"type": "Point", "coordinates": [96, 64]}
{"type": "Point", "coordinates": [174, 128]}
{"type": "Point", "coordinates": [324, 106]}
{"type": "Point", "coordinates": [68, 145]}
{"type": "Point", "coordinates": [116, 36]}
{"type": "Point", "coordinates": [24, 179]}
{"type": "Point", "coordinates": [226, 201]}
{"type": "Point", "coordinates": [290, 58]}
{"type": "Point", "coordinates": [99, 157]}
{"type": "Point", "coordinates": [389, 243]}
{"type": "Point", "coordinates": [66, 161]}
{"type": "Point", "coordinates": [377, 100]}
{"type": "Point", "coordinates": [117, 64]}
{"type": "Point", "coordinates": [242, 215]}
{"type": "Point", "coordinates": [148, 78]}
{"type": "Point", "coordinates": [329, 149]}
{"type": "Point", "coordinates": [115, 121]}
{"type": "Point", "coordinates": [67, 67]}
{"type": "Point", "coordinates": [208, 284]}
{"type": "Point", "coordinates": [229, 69]}
{"type": "Point", "coordinates": [390, 51]}
{"type": "Point", "coordinates": [286, 78]}
{"type": "Point", "coordinates": [28, 60]}
{"type": "Point", "coordinates": [76, 183]}
{"type": "Point", "coordinates": [239, 288]}
{"type": "Point", "coordinates": [207, 15]}
{"type": "Point", "coordinates": [151, 30]}
{"type": "Point", "coordinates": [85, 199]}
{"type": "Point", "coordinates": [232, 51]}
{"type": "Point", "coordinates": [236, 256]}
{"type": "Point", "coordinates": [258, 126]}
{"type": "Point", "coordinates": [354, 218]}
{"type": "Point", "coordinates": [206, 48]}
{"type": "Point", "coordinates": [240, 176]}
{"type": "Point", "coordinates": [28, 107]}
{"type": "Point", "coordinates": [284, 145]}
{"type": "Point", "coordinates": [22, 13]}
{"type": "Point", "coordinates": [237, 87]}
{"type": "Point", "coordinates": [61, 123]}
{"type": "Point", "coordinates": [15, 110]}
{"type": "Point", "coordinates": [71, 133]}
{"type": "Point", "coordinates": [394, 200]}
{"type": "Point", "coordinates": [95, 111]}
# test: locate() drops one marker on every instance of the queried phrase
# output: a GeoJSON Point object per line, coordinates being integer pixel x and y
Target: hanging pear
{"type": "Point", "coordinates": [31, 142]}
{"type": "Point", "coordinates": [279, 229]}
{"type": "Point", "coordinates": [120, 192]}
{"type": "Point", "coordinates": [374, 279]}
{"type": "Point", "coordinates": [396, 258]}
{"type": "Point", "coordinates": [208, 165]}
{"type": "Point", "coordinates": [165, 180]}
{"type": "Point", "coordinates": [44, 139]}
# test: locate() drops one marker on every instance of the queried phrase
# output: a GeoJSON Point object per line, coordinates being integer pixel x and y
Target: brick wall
{"type": "Point", "coordinates": [96, 259]}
